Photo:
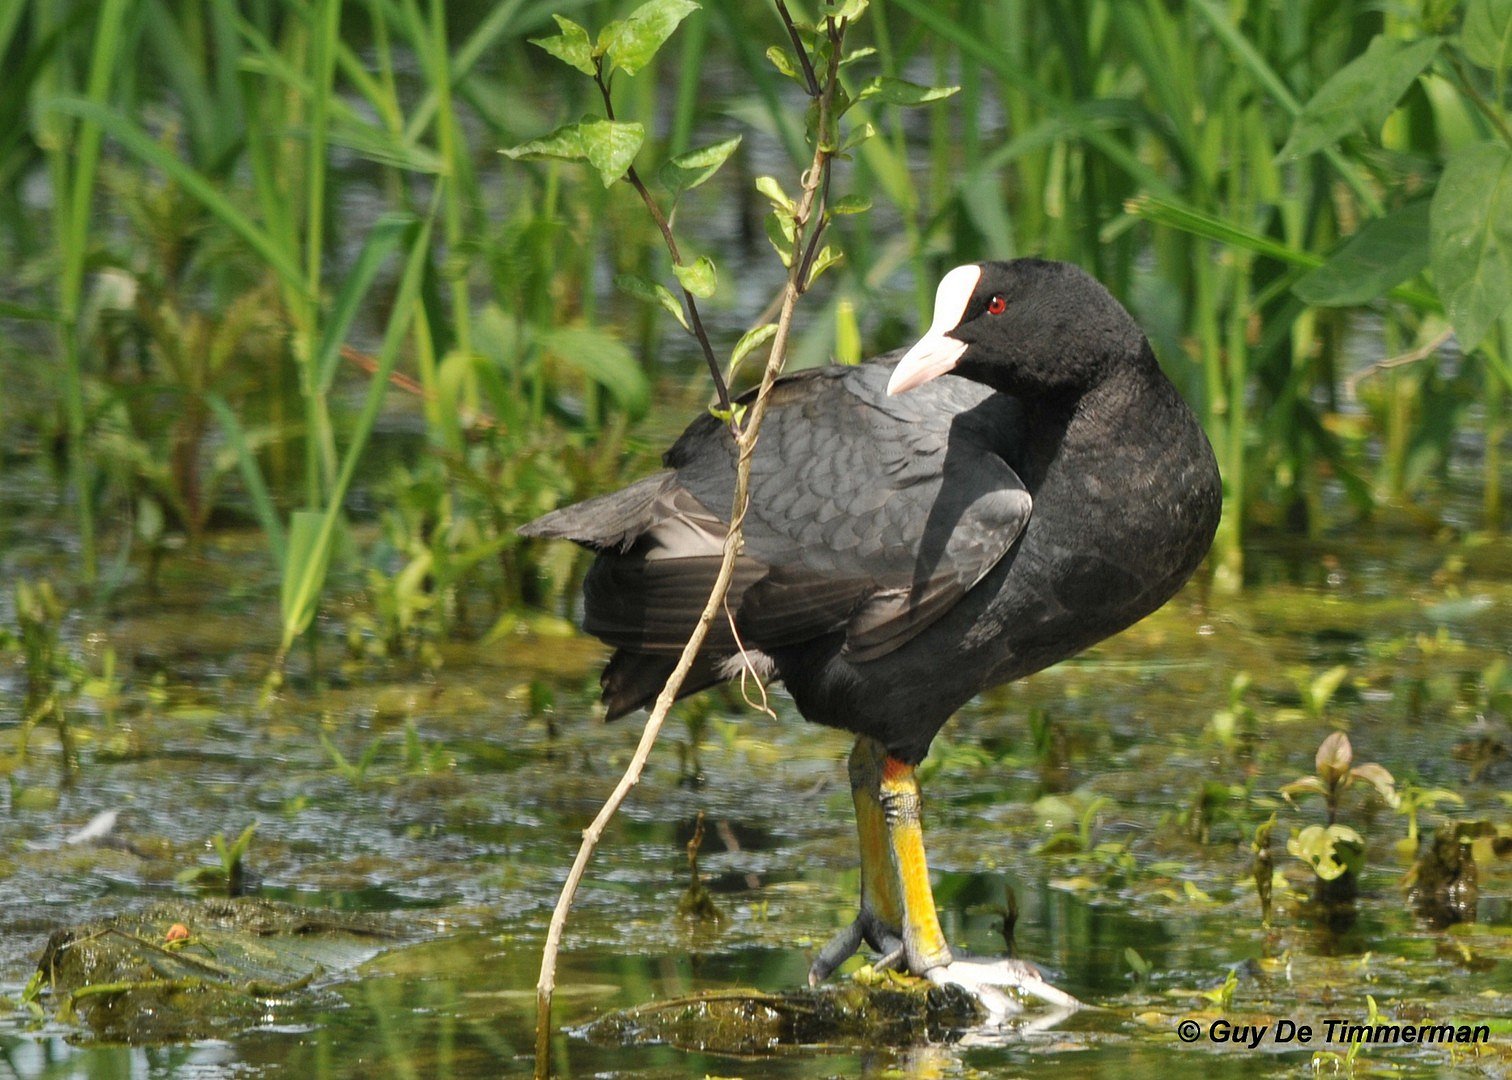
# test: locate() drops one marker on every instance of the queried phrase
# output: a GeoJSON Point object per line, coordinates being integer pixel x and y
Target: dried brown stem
{"type": "Point", "coordinates": [814, 179]}
{"type": "Point", "coordinates": [1412, 356]}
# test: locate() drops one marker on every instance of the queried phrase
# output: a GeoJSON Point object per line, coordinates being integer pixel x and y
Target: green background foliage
{"type": "Point", "coordinates": [244, 238]}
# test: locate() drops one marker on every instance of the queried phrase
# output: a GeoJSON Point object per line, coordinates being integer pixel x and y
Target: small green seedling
{"type": "Point", "coordinates": [1222, 995]}
{"type": "Point", "coordinates": [232, 868]}
{"type": "Point", "coordinates": [355, 772]}
{"type": "Point", "coordinates": [1335, 852]}
{"type": "Point", "coordinates": [1412, 802]}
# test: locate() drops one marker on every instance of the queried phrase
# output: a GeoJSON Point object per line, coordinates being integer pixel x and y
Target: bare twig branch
{"type": "Point", "coordinates": [815, 178]}
{"type": "Point", "coordinates": [1412, 356]}
{"type": "Point", "coordinates": [811, 81]}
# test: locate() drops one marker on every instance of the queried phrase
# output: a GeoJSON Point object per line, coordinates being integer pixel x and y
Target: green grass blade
{"type": "Point", "coordinates": [1272, 83]}
{"type": "Point", "coordinates": [252, 477]}
{"type": "Point", "coordinates": [382, 240]}
{"type": "Point", "coordinates": [310, 549]}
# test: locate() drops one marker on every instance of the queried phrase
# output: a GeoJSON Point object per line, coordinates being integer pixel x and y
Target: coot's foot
{"type": "Point", "coordinates": [837, 950]}
{"type": "Point", "coordinates": [989, 982]}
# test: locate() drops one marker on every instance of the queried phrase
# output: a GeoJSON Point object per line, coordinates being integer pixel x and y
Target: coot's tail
{"type": "Point", "coordinates": [608, 522]}
{"type": "Point", "coordinates": [632, 680]}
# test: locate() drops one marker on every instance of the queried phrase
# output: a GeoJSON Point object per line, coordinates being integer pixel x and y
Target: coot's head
{"type": "Point", "coordinates": [1032, 328]}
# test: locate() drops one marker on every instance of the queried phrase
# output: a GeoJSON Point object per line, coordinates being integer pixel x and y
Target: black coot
{"type": "Point", "coordinates": [913, 540]}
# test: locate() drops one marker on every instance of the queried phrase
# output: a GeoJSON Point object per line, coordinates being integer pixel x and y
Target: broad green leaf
{"type": "Point", "coordinates": [1331, 852]}
{"type": "Point", "coordinates": [849, 10]}
{"type": "Point", "coordinates": [635, 40]}
{"type": "Point", "coordinates": [571, 46]}
{"type": "Point", "coordinates": [1487, 33]}
{"type": "Point", "coordinates": [608, 145]}
{"type": "Point", "coordinates": [605, 360]}
{"type": "Point", "coordinates": [890, 91]}
{"type": "Point", "coordinates": [851, 204]}
{"type": "Point", "coordinates": [611, 145]}
{"type": "Point", "coordinates": [783, 61]}
{"type": "Point", "coordinates": [825, 258]}
{"type": "Point", "coordinates": [644, 289]}
{"type": "Point", "coordinates": [697, 277]}
{"type": "Point", "coordinates": [607, 33]}
{"type": "Point", "coordinates": [1470, 229]}
{"type": "Point", "coordinates": [1384, 253]}
{"type": "Point", "coordinates": [687, 171]}
{"type": "Point", "coordinates": [769, 187]}
{"type": "Point", "coordinates": [855, 137]}
{"type": "Point", "coordinates": [780, 231]}
{"type": "Point", "coordinates": [749, 341]}
{"type": "Point", "coordinates": [1359, 95]}
{"type": "Point", "coordinates": [565, 143]}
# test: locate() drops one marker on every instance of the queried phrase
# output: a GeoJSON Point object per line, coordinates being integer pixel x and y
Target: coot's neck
{"type": "Point", "coordinates": [1133, 408]}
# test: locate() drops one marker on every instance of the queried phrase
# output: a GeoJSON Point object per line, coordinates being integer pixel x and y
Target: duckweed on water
{"type": "Point", "coordinates": [470, 845]}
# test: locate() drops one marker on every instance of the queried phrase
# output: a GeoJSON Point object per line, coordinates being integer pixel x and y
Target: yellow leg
{"type": "Point", "coordinates": [895, 894]}
{"type": "Point", "coordinates": [923, 941]}
{"type": "Point", "coordinates": [879, 882]}
{"type": "Point", "coordinates": [897, 907]}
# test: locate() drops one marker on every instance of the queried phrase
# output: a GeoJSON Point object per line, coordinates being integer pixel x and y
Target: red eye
{"type": "Point", "coordinates": [997, 305]}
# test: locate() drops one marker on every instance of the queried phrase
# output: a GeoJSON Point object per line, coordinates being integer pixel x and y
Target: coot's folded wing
{"type": "Point", "coordinates": [870, 516]}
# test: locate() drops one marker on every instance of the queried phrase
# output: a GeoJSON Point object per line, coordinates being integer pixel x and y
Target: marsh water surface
{"type": "Point", "coordinates": [1116, 796]}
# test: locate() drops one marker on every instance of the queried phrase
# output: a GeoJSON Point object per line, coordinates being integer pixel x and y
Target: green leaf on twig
{"type": "Point", "coordinates": [571, 46]}
{"type": "Point", "coordinates": [890, 91]}
{"type": "Point", "coordinates": [825, 258]}
{"type": "Point", "coordinates": [649, 291]}
{"type": "Point", "coordinates": [697, 277]}
{"type": "Point", "coordinates": [1359, 95]}
{"type": "Point", "coordinates": [687, 171]}
{"type": "Point", "coordinates": [749, 341]}
{"type": "Point", "coordinates": [769, 187]}
{"type": "Point", "coordinates": [1470, 225]}
{"type": "Point", "coordinates": [1487, 33]}
{"type": "Point", "coordinates": [780, 231]}
{"type": "Point", "coordinates": [608, 145]}
{"type": "Point", "coordinates": [783, 61]}
{"type": "Point", "coordinates": [855, 137]}
{"type": "Point", "coordinates": [631, 43]}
